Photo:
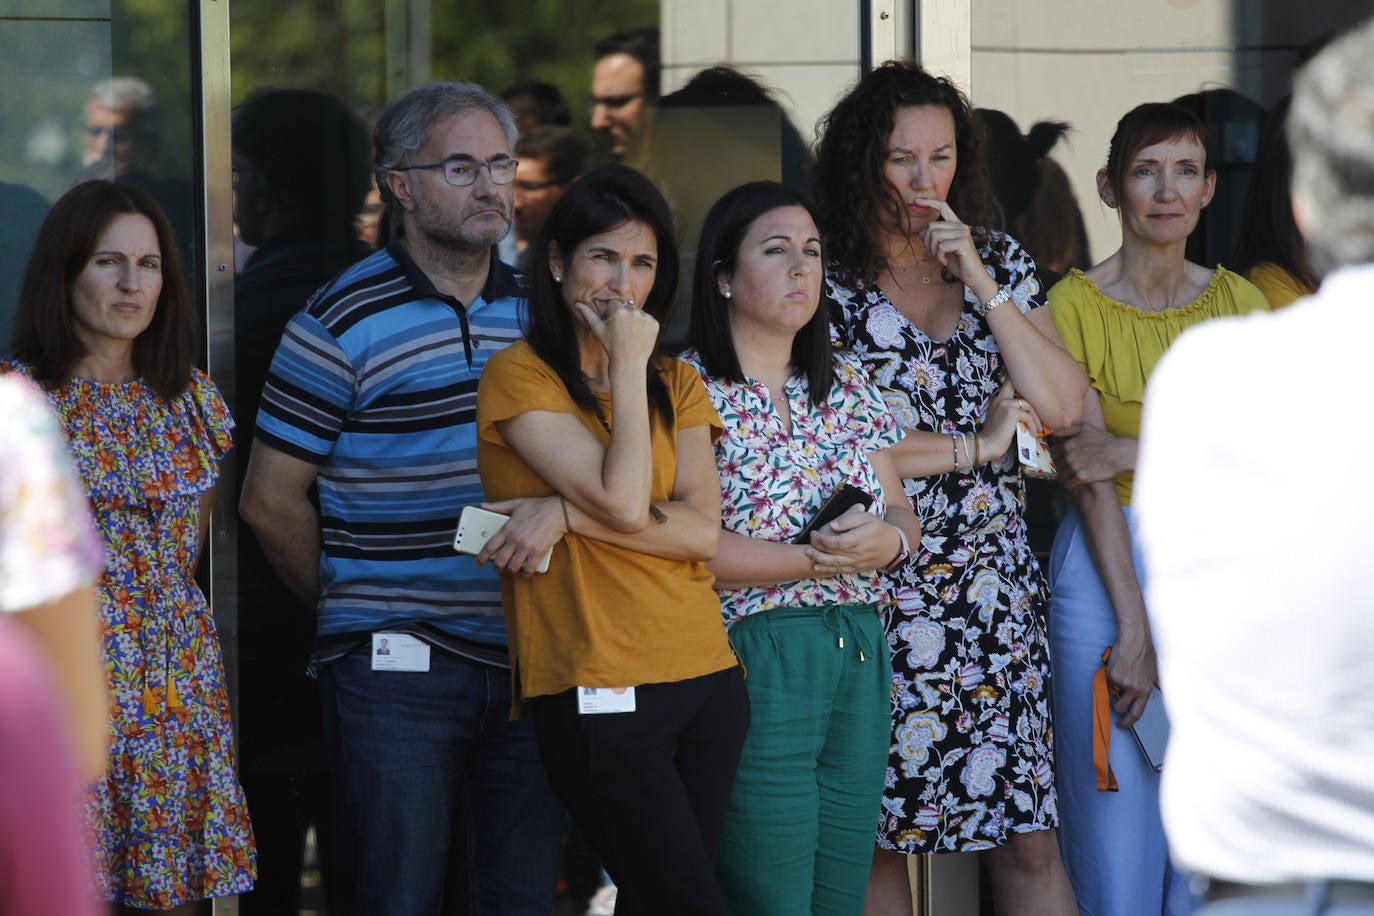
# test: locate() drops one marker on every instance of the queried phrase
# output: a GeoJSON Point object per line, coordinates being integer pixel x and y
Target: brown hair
{"type": "Point", "coordinates": [45, 332]}
{"type": "Point", "coordinates": [1146, 125]}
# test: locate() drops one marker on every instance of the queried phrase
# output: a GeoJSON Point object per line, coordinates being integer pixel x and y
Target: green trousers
{"type": "Point", "coordinates": [804, 811]}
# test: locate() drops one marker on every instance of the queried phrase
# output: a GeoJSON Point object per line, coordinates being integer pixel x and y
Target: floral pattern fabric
{"type": "Point", "coordinates": [48, 547]}
{"type": "Point", "coordinates": [169, 818]}
{"type": "Point", "coordinates": [772, 482]}
{"type": "Point", "coordinates": [972, 749]}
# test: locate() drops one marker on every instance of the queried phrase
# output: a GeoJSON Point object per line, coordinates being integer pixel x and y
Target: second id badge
{"type": "Point", "coordinates": [592, 701]}
{"type": "Point", "coordinates": [1034, 454]}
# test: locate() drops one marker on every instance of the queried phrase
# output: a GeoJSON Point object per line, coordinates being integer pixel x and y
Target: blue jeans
{"type": "Point", "coordinates": [443, 805]}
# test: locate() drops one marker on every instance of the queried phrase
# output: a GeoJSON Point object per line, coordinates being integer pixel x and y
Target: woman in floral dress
{"type": "Point", "coordinates": [799, 423]}
{"type": "Point", "coordinates": [946, 318]}
{"type": "Point", "coordinates": [104, 325]}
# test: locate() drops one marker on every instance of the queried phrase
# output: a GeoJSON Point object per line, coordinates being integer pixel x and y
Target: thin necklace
{"type": "Point", "coordinates": [918, 264]}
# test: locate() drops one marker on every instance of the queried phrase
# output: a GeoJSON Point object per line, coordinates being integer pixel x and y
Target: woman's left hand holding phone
{"type": "Point", "coordinates": [536, 525]}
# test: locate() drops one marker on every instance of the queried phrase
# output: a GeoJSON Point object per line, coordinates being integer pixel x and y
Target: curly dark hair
{"type": "Point", "coordinates": [848, 186]}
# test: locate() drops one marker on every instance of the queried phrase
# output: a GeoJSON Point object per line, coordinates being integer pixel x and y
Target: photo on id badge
{"type": "Point", "coordinates": [399, 652]}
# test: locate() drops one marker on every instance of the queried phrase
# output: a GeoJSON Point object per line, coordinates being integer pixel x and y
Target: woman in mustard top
{"type": "Point", "coordinates": [1117, 319]}
{"type": "Point", "coordinates": [639, 704]}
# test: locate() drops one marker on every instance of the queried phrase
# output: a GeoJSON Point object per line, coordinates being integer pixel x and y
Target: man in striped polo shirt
{"type": "Point", "coordinates": [442, 802]}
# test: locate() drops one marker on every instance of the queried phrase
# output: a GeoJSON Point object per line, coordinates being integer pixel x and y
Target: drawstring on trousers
{"type": "Point", "coordinates": [839, 620]}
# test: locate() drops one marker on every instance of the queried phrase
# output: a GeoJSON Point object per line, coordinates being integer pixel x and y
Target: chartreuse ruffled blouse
{"type": "Point", "coordinates": [1118, 345]}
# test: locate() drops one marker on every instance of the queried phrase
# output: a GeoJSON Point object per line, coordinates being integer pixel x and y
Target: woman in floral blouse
{"type": "Point", "coordinates": [105, 326]}
{"type": "Point", "coordinates": [800, 422]}
{"type": "Point", "coordinates": [946, 315]}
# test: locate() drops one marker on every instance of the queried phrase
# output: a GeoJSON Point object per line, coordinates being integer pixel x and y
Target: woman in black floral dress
{"type": "Point", "coordinates": [948, 319]}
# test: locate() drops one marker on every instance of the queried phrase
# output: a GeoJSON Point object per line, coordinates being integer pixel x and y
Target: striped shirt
{"type": "Point", "coordinates": [376, 382]}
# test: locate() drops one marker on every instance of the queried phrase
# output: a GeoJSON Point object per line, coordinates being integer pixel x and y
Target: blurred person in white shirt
{"type": "Point", "coordinates": [1255, 523]}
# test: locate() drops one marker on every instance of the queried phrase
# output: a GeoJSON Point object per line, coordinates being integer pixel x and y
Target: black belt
{"type": "Point", "coordinates": [1336, 890]}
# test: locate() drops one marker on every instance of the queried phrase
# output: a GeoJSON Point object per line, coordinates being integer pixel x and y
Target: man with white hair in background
{"type": "Point", "coordinates": [122, 125]}
{"type": "Point", "coordinates": [1255, 522]}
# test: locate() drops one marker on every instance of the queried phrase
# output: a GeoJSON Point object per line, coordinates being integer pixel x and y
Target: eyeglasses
{"type": "Point", "coordinates": [462, 172]}
{"type": "Point", "coordinates": [613, 101]}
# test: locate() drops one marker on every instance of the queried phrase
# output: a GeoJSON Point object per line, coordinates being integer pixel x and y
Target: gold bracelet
{"type": "Point", "coordinates": [567, 522]}
{"type": "Point", "coordinates": [977, 452]}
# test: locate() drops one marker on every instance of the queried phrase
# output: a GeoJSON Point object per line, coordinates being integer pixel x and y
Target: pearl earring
{"type": "Point", "coordinates": [726, 293]}
{"type": "Point", "coordinates": [557, 278]}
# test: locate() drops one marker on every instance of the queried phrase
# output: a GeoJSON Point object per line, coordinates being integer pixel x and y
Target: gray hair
{"type": "Point", "coordinates": [404, 126]}
{"type": "Point", "coordinates": [1331, 131]}
{"type": "Point", "coordinates": [133, 95]}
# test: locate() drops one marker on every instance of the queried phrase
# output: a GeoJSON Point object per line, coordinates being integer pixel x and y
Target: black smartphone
{"type": "Point", "coordinates": [840, 502]}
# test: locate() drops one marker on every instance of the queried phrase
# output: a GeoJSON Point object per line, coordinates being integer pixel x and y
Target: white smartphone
{"type": "Point", "coordinates": [476, 526]}
{"type": "Point", "coordinates": [1033, 454]}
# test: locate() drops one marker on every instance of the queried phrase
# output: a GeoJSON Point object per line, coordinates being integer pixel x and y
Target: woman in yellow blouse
{"type": "Point", "coordinates": [1117, 319]}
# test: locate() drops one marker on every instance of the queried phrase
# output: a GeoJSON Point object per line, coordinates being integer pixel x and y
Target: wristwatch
{"type": "Point", "coordinates": [902, 554]}
{"type": "Point", "coordinates": [1002, 295]}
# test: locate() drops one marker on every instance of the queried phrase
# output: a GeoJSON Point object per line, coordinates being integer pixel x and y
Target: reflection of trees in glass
{"type": "Point", "coordinates": [49, 65]}
{"type": "Point", "coordinates": [336, 46]}
{"type": "Point", "coordinates": [47, 68]}
{"type": "Point", "coordinates": [152, 40]}
{"type": "Point", "coordinates": [340, 45]}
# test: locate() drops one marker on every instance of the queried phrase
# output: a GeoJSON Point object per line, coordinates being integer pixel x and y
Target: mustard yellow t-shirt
{"type": "Point", "coordinates": [1119, 345]}
{"type": "Point", "coordinates": [1279, 287]}
{"type": "Point", "coordinates": [603, 615]}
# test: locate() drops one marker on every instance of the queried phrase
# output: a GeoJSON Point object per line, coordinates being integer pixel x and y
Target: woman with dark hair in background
{"type": "Point", "coordinates": [944, 313]}
{"type": "Point", "coordinates": [1117, 320]}
{"type": "Point", "coordinates": [615, 446]}
{"type": "Point", "coordinates": [800, 424]}
{"type": "Point", "coordinates": [1038, 206]}
{"type": "Point", "coordinates": [105, 326]}
{"type": "Point", "coordinates": [302, 167]}
{"type": "Point", "coordinates": [1270, 252]}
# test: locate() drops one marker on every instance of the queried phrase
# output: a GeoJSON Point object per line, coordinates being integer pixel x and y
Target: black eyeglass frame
{"type": "Point", "coordinates": [474, 164]}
